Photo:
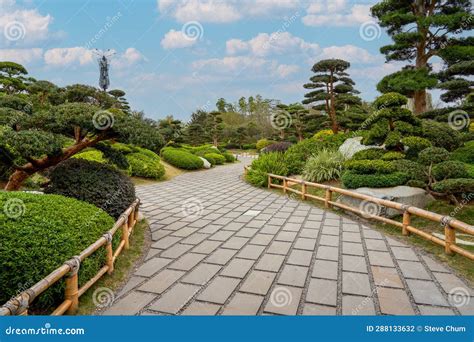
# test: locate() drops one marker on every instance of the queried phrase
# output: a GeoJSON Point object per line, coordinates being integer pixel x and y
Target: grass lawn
{"type": "Point", "coordinates": [124, 264]}
{"type": "Point", "coordinates": [460, 264]}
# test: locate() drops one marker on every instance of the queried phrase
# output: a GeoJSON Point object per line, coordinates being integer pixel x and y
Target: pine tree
{"type": "Point", "coordinates": [420, 29]}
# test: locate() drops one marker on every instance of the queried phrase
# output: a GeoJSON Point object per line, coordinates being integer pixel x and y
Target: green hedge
{"type": "Point", "coordinates": [98, 184]}
{"type": "Point", "coordinates": [143, 165]}
{"type": "Point", "coordinates": [389, 156]}
{"type": "Point", "coordinates": [414, 170]}
{"type": "Point", "coordinates": [266, 163]}
{"type": "Point", "coordinates": [51, 230]}
{"type": "Point", "coordinates": [181, 158]}
{"type": "Point", "coordinates": [214, 158]}
{"type": "Point", "coordinates": [465, 153]}
{"type": "Point", "coordinates": [415, 145]}
{"type": "Point", "coordinates": [455, 186]}
{"type": "Point", "coordinates": [91, 155]}
{"type": "Point", "coordinates": [353, 181]}
{"type": "Point", "coordinates": [229, 157]}
{"type": "Point", "coordinates": [450, 169]}
{"type": "Point", "coordinates": [370, 166]}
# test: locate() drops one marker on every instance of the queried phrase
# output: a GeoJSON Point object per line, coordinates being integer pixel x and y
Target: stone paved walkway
{"type": "Point", "coordinates": [223, 247]}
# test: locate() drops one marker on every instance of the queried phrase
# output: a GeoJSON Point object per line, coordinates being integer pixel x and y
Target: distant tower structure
{"type": "Point", "coordinates": [103, 58]}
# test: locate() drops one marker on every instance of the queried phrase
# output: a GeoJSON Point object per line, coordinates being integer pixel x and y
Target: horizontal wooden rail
{"type": "Point", "coordinates": [69, 270]}
{"type": "Point", "coordinates": [451, 225]}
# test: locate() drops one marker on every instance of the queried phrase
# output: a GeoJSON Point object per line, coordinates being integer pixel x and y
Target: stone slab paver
{"type": "Point", "coordinates": [250, 251]}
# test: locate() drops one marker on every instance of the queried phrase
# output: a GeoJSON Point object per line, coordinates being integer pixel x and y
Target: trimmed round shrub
{"type": "Point", "coordinates": [389, 156]}
{"type": "Point", "coordinates": [123, 148]}
{"type": "Point", "coordinates": [277, 147]}
{"type": "Point", "coordinates": [454, 186]}
{"type": "Point", "coordinates": [449, 169]}
{"type": "Point", "coordinates": [415, 145]}
{"type": "Point", "coordinates": [416, 184]}
{"type": "Point", "coordinates": [369, 166]}
{"type": "Point", "coordinates": [414, 170]}
{"type": "Point", "coordinates": [181, 159]}
{"type": "Point", "coordinates": [390, 100]}
{"type": "Point", "coordinates": [229, 157]}
{"type": "Point", "coordinates": [214, 158]}
{"type": "Point", "coordinates": [464, 154]}
{"type": "Point", "coordinates": [296, 156]}
{"type": "Point", "coordinates": [441, 134]}
{"type": "Point", "coordinates": [265, 164]}
{"type": "Point", "coordinates": [392, 140]}
{"type": "Point", "coordinates": [50, 230]}
{"type": "Point", "coordinates": [142, 165]}
{"type": "Point", "coordinates": [369, 154]}
{"type": "Point", "coordinates": [353, 181]}
{"type": "Point", "coordinates": [324, 166]}
{"type": "Point", "coordinates": [262, 143]}
{"type": "Point", "coordinates": [91, 155]}
{"type": "Point", "coordinates": [324, 133]}
{"type": "Point", "coordinates": [249, 146]}
{"type": "Point", "coordinates": [92, 182]}
{"type": "Point", "coordinates": [433, 155]}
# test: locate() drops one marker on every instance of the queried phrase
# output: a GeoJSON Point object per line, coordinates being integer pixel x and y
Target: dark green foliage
{"type": "Point", "coordinates": [369, 154]}
{"type": "Point", "coordinates": [114, 156]}
{"type": "Point", "coordinates": [392, 141]}
{"type": "Point", "coordinates": [229, 157]}
{"type": "Point", "coordinates": [390, 100]}
{"type": "Point", "coordinates": [369, 166]}
{"type": "Point", "coordinates": [215, 158]}
{"type": "Point", "coordinates": [296, 156]}
{"type": "Point", "coordinates": [98, 184]}
{"type": "Point", "coordinates": [416, 184]}
{"type": "Point", "coordinates": [415, 145]}
{"type": "Point", "coordinates": [408, 81]}
{"type": "Point", "coordinates": [455, 186]}
{"type": "Point", "coordinates": [433, 155]}
{"type": "Point", "coordinates": [51, 231]}
{"type": "Point", "coordinates": [414, 170]}
{"type": "Point", "coordinates": [353, 181]}
{"type": "Point", "coordinates": [441, 134]}
{"type": "Point", "coordinates": [181, 158]}
{"type": "Point", "coordinates": [265, 164]}
{"type": "Point", "coordinates": [389, 156]}
{"type": "Point", "coordinates": [17, 103]}
{"type": "Point", "coordinates": [465, 153]}
{"type": "Point", "coordinates": [143, 165]}
{"type": "Point", "coordinates": [277, 147]}
{"type": "Point", "coordinates": [449, 169]}
{"type": "Point", "coordinates": [376, 134]}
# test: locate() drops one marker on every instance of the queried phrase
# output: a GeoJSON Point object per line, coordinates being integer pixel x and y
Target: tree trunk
{"type": "Point", "coordinates": [332, 114]}
{"type": "Point", "coordinates": [419, 99]}
{"type": "Point", "coordinates": [16, 180]}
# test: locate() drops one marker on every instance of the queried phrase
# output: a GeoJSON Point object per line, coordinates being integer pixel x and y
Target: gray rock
{"type": "Point", "coordinates": [415, 197]}
{"type": "Point", "coordinates": [353, 145]}
{"type": "Point", "coordinates": [207, 165]}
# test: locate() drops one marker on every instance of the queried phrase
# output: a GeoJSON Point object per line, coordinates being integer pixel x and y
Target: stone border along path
{"type": "Point", "coordinates": [222, 247]}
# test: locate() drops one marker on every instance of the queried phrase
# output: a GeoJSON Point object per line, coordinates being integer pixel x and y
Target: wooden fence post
{"type": "Point", "coordinates": [269, 181]}
{"type": "Point", "coordinates": [125, 235]}
{"type": "Point", "coordinates": [303, 191]}
{"type": "Point", "coordinates": [449, 236]}
{"type": "Point", "coordinates": [110, 253]}
{"type": "Point", "coordinates": [406, 220]}
{"type": "Point", "coordinates": [328, 198]}
{"type": "Point", "coordinates": [284, 185]}
{"type": "Point", "coordinates": [72, 285]}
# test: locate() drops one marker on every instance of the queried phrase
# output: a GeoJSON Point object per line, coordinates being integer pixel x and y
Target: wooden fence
{"type": "Point", "coordinates": [450, 224]}
{"type": "Point", "coordinates": [19, 304]}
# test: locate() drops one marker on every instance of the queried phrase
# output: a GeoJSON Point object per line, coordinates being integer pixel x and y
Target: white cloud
{"type": "Point", "coordinates": [68, 56]}
{"type": "Point", "coordinates": [285, 70]}
{"type": "Point", "coordinates": [349, 53]}
{"type": "Point", "coordinates": [336, 13]}
{"type": "Point", "coordinates": [21, 56]}
{"type": "Point", "coordinates": [176, 40]}
{"type": "Point", "coordinates": [130, 57]}
{"type": "Point", "coordinates": [22, 27]}
{"type": "Point", "coordinates": [376, 72]}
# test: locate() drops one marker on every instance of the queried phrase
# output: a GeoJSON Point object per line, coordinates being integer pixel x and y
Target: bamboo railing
{"type": "Point", "coordinates": [450, 224]}
{"type": "Point", "coordinates": [70, 269]}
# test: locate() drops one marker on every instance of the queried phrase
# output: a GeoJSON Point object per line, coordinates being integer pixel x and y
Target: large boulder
{"type": "Point", "coordinates": [353, 145]}
{"type": "Point", "coordinates": [415, 197]}
{"type": "Point", "coordinates": [206, 165]}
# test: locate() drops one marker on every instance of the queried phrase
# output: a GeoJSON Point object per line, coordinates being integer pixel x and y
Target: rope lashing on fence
{"type": "Point", "coordinates": [74, 264]}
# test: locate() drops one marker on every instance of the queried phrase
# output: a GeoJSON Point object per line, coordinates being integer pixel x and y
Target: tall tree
{"type": "Point", "coordinates": [333, 89]}
{"type": "Point", "coordinates": [171, 129]}
{"type": "Point", "coordinates": [420, 29]}
{"type": "Point", "coordinates": [12, 78]}
{"type": "Point", "coordinates": [195, 131]}
{"type": "Point", "coordinates": [215, 127]}
{"type": "Point", "coordinates": [297, 116]}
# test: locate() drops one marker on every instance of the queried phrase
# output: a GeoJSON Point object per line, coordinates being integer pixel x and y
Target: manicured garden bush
{"type": "Point", "coordinates": [296, 156]}
{"type": "Point", "coordinates": [455, 186]}
{"type": "Point", "coordinates": [229, 157]}
{"type": "Point", "coordinates": [91, 155]}
{"type": "Point", "coordinates": [266, 163]}
{"type": "Point", "coordinates": [369, 154]}
{"type": "Point", "coordinates": [181, 159]}
{"type": "Point", "coordinates": [50, 230]}
{"type": "Point", "coordinates": [352, 180]}
{"type": "Point", "coordinates": [449, 169]}
{"type": "Point", "coordinates": [98, 184]}
{"type": "Point", "coordinates": [415, 145]}
{"type": "Point", "coordinates": [393, 156]}
{"type": "Point", "coordinates": [324, 166]}
{"type": "Point", "coordinates": [414, 170]}
{"type": "Point", "coordinates": [324, 133]}
{"type": "Point", "coordinates": [433, 155]}
{"type": "Point", "coordinates": [249, 146]}
{"type": "Point", "coordinates": [464, 154]}
{"type": "Point", "coordinates": [441, 134]}
{"type": "Point", "coordinates": [263, 143]}
{"type": "Point", "coordinates": [214, 158]}
{"type": "Point", "coordinates": [369, 166]}
{"type": "Point", "coordinates": [143, 165]}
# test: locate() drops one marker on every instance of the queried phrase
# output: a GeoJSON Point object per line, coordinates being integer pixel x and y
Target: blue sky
{"type": "Point", "coordinates": [174, 56]}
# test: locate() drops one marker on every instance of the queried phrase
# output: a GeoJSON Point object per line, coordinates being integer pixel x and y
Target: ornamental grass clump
{"type": "Point", "coordinates": [325, 166]}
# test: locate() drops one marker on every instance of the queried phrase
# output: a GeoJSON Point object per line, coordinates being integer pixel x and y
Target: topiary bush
{"type": "Point", "coordinates": [415, 145]}
{"type": "Point", "coordinates": [143, 165]}
{"type": "Point", "coordinates": [353, 180]}
{"type": "Point", "coordinates": [265, 164]}
{"type": "Point", "coordinates": [50, 230]}
{"type": "Point", "coordinates": [449, 169]}
{"type": "Point", "coordinates": [389, 156]}
{"type": "Point", "coordinates": [414, 170]}
{"type": "Point", "coordinates": [91, 155]}
{"type": "Point", "coordinates": [464, 154]}
{"type": "Point", "coordinates": [441, 134]}
{"type": "Point", "coordinates": [229, 157]}
{"type": "Point", "coordinates": [324, 166]}
{"type": "Point", "coordinates": [369, 154]}
{"type": "Point", "coordinates": [454, 186]}
{"type": "Point", "coordinates": [262, 143]}
{"type": "Point", "coordinates": [92, 182]}
{"type": "Point", "coordinates": [214, 158]}
{"type": "Point", "coordinates": [296, 156]}
{"type": "Point", "coordinates": [433, 155]}
{"type": "Point", "coordinates": [181, 159]}
{"type": "Point", "coordinates": [369, 166]}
